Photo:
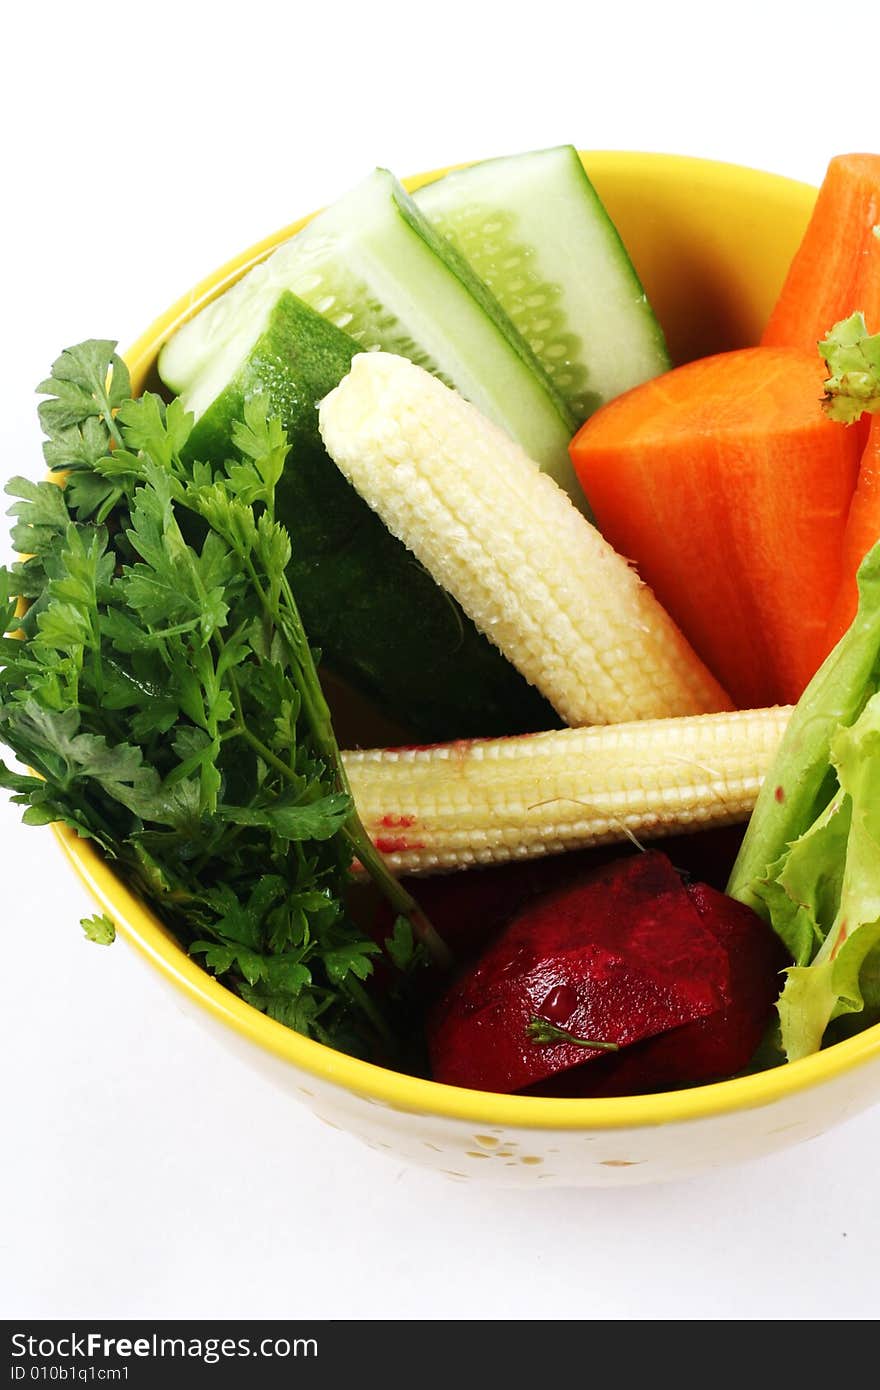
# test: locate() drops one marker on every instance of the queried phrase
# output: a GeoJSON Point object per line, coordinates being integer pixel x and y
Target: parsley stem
{"type": "Point", "coordinates": [402, 901]}
{"type": "Point", "coordinates": [110, 421]}
{"type": "Point", "coordinates": [545, 1033]}
{"type": "Point", "coordinates": [356, 991]}
{"type": "Point", "coordinates": [317, 712]}
{"type": "Point", "coordinates": [364, 849]}
{"type": "Point", "coordinates": [97, 667]}
{"type": "Point", "coordinates": [266, 754]}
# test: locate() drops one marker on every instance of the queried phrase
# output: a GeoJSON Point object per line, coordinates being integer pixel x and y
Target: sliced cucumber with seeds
{"type": "Point", "coordinates": [374, 266]}
{"type": "Point", "coordinates": [534, 229]}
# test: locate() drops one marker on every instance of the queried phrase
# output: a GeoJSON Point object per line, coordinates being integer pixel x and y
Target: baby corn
{"type": "Point", "coordinates": [490, 800]}
{"type": "Point", "coordinates": [508, 544]}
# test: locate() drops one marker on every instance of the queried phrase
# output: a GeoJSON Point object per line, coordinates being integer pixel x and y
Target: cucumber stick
{"type": "Point", "coordinates": [534, 229]}
{"type": "Point", "coordinates": [373, 265]}
{"type": "Point", "coordinates": [381, 622]}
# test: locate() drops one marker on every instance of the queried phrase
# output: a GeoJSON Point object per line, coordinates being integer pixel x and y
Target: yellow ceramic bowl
{"type": "Point", "coordinates": [712, 243]}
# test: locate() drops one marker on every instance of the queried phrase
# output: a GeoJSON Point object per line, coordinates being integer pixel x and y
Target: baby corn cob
{"type": "Point", "coordinates": [506, 541]}
{"type": "Point", "coordinates": [489, 800]}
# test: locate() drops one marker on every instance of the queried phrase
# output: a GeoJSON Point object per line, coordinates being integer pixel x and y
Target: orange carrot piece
{"type": "Point", "coordinates": [836, 270]}
{"type": "Point", "coordinates": [729, 488]}
{"type": "Point", "coordinates": [862, 532]}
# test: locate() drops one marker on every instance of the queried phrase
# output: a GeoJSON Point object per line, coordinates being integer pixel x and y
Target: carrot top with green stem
{"type": "Point", "coordinates": [852, 355]}
{"type": "Point", "coordinates": [852, 392]}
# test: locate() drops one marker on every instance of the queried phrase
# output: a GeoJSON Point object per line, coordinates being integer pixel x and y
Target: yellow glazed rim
{"type": "Point", "coordinates": [393, 1089]}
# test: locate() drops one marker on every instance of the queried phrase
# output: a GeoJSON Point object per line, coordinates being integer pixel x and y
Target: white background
{"type": "Point", "coordinates": [144, 1172]}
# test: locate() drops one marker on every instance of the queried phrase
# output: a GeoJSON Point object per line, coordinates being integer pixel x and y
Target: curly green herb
{"type": "Point", "coordinates": [166, 698]}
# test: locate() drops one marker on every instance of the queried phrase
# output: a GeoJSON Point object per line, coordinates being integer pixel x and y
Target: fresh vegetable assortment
{"type": "Point", "coordinates": [433, 446]}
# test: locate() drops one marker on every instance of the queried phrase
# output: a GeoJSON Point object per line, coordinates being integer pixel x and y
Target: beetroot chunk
{"type": "Point", "coordinates": [724, 1043]}
{"type": "Point", "coordinates": [620, 957]}
{"type": "Point", "coordinates": [713, 1047]}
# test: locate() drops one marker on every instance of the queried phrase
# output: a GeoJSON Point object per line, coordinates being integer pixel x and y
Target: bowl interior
{"type": "Point", "coordinates": [712, 243]}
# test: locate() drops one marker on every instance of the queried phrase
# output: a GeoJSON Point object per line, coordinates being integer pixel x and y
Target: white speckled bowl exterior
{"type": "Point", "coordinates": [712, 243]}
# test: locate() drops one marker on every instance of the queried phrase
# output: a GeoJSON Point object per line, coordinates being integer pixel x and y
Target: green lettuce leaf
{"type": "Point", "coordinates": [824, 895]}
{"type": "Point", "coordinates": [810, 861]}
{"type": "Point", "coordinates": [802, 889]}
{"type": "Point", "coordinates": [802, 783]}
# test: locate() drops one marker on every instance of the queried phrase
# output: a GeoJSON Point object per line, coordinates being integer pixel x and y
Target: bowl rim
{"type": "Point", "coordinates": [375, 1084]}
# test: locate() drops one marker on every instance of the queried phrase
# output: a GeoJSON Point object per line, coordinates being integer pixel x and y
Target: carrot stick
{"type": "Point", "coordinates": [729, 488]}
{"type": "Point", "coordinates": [837, 267]}
{"type": "Point", "coordinates": [862, 532]}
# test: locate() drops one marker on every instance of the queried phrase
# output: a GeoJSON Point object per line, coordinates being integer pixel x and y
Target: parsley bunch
{"type": "Point", "coordinates": [167, 700]}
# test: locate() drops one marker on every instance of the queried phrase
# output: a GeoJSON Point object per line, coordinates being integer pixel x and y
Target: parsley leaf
{"type": "Point", "coordinates": [99, 929]}
{"type": "Point", "coordinates": [87, 382]}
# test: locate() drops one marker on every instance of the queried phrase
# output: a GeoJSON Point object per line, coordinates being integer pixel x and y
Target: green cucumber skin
{"type": "Point", "coordinates": [381, 622]}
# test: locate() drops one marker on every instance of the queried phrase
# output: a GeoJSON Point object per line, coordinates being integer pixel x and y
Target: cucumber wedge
{"type": "Point", "coordinates": [375, 267]}
{"type": "Point", "coordinates": [533, 228]}
{"type": "Point", "coordinates": [381, 622]}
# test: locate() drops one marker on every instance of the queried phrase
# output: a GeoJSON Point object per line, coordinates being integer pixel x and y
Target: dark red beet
{"type": "Point", "coordinates": [471, 907]}
{"type": "Point", "coordinates": [713, 1047]}
{"type": "Point", "coordinates": [757, 957]}
{"type": "Point", "coordinates": [620, 957]}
